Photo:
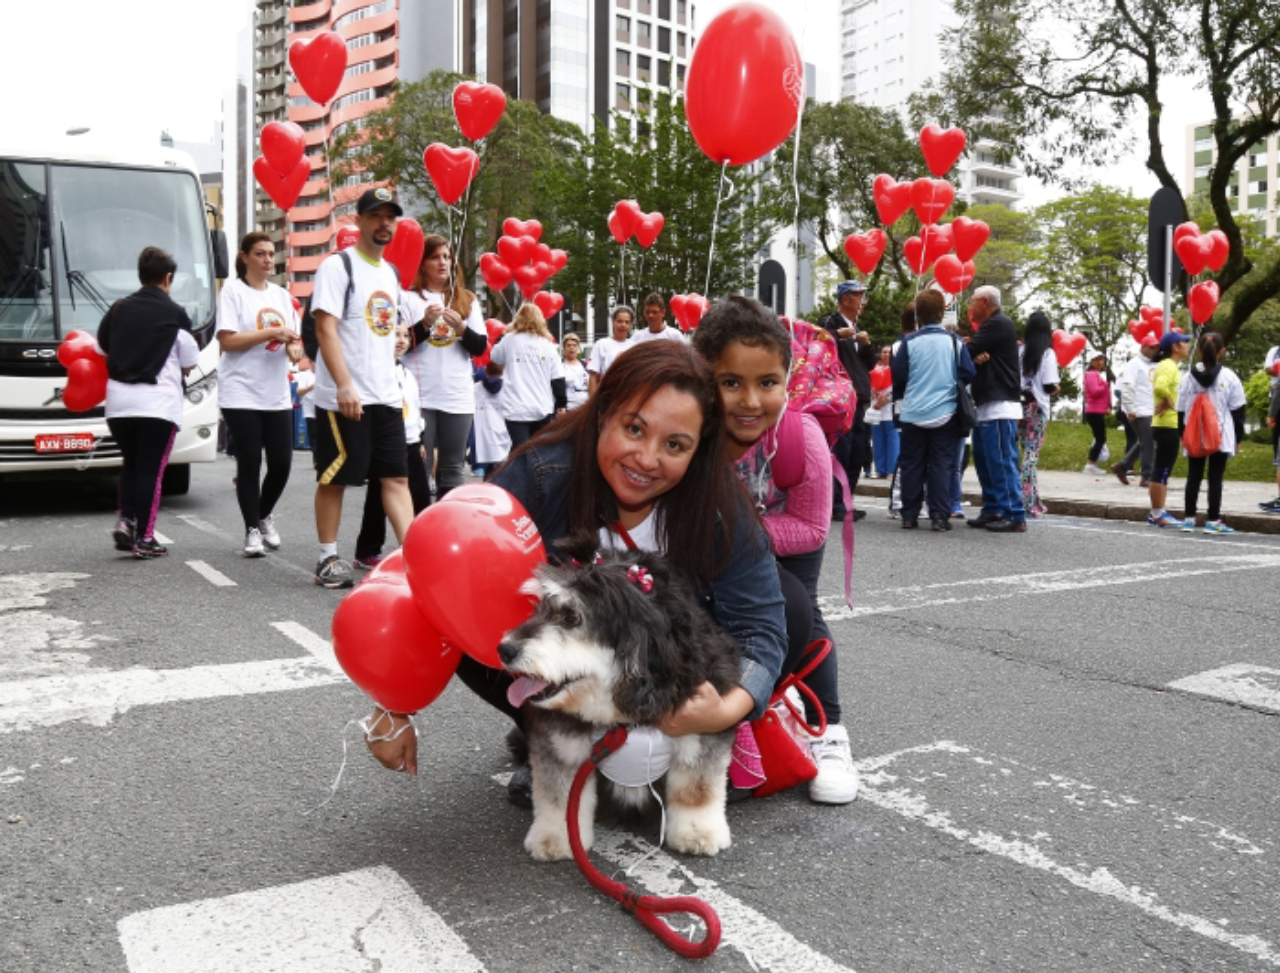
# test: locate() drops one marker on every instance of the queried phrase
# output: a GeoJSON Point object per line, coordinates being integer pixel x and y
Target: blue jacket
{"type": "Point", "coordinates": [745, 597]}
{"type": "Point", "coordinates": [924, 373]}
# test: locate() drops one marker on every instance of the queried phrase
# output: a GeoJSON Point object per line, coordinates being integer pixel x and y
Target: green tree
{"type": "Point", "coordinates": [1009, 257]}
{"type": "Point", "coordinates": [1065, 82]}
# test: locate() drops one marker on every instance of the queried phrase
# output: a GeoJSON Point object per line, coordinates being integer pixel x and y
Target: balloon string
{"type": "Point", "coordinates": [622, 270]}
{"type": "Point", "coordinates": [715, 221]}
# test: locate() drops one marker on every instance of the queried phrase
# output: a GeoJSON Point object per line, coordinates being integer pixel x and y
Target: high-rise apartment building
{"type": "Point", "coordinates": [1252, 189]}
{"type": "Point", "coordinates": [886, 56]}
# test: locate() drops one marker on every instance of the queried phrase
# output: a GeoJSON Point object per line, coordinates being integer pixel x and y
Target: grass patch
{"type": "Point", "coordinates": [1066, 447]}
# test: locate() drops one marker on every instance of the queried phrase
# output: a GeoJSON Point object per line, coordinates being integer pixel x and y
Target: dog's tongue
{"type": "Point", "coordinates": [523, 688]}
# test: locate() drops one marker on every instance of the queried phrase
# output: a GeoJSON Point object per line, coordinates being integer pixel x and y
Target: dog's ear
{"type": "Point", "coordinates": [580, 547]}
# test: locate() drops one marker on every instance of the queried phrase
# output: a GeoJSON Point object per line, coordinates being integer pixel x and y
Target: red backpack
{"type": "Point", "coordinates": [1201, 436]}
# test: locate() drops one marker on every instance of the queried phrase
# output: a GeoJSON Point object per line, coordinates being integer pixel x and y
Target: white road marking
{"type": "Point", "coordinates": [1167, 534]}
{"type": "Point", "coordinates": [15, 547]}
{"type": "Point", "coordinates": [1240, 683]}
{"type": "Point", "coordinates": [889, 600]}
{"type": "Point", "coordinates": [166, 541]}
{"type": "Point", "coordinates": [364, 920]}
{"type": "Point", "coordinates": [322, 649]}
{"type": "Point", "coordinates": [210, 574]}
{"type": "Point", "coordinates": [1041, 821]}
{"type": "Point", "coordinates": [28, 590]}
{"type": "Point", "coordinates": [193, 521]}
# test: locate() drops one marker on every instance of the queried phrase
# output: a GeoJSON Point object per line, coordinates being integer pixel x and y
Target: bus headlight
{"type": "Point", "coordinates": [197, 390]}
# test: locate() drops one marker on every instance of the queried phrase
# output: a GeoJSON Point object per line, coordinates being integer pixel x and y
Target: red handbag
{"type": "Point", "coordinates": [782, 735]}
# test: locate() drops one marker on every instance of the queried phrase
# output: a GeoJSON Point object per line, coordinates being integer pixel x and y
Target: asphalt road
{"type": "Point", "coordinates": [1037, 795]}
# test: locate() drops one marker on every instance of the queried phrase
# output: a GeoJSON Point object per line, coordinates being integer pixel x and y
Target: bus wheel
{"type": "Point", "coordinates": [177, 480]}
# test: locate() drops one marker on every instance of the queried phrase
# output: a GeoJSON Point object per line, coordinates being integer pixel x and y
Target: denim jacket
{"type": "Point", "coordinates": [745, 596]}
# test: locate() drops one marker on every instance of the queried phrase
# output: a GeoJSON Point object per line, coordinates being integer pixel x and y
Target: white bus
{"type": "Point", "coordinates": [74, 215]}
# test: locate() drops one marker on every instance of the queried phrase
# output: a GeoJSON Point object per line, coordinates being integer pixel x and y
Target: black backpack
{"type": "Point", "coordinates": [310, 343]}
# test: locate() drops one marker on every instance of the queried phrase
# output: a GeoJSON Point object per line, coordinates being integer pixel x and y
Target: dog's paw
{"type": "Point", "coordinates": [549, 842]}
{"type": "Point", "coordinates": [699, 834]}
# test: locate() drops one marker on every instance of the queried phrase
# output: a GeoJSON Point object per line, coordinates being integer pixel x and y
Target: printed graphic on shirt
{"type": "Point", "coordinates": [269, 317]}
{"type": "Point", "coordinates": [380, 314]}
{"type": "Point", "coordinates": [441, 335]}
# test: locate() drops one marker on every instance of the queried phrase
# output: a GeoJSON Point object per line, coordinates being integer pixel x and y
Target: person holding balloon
{"type": "Point", "coordinates": [1039, 365]}
{"type": "Point", "coordinates": [447, 329]}
{"type": "Point", "coordinates": [533, 379]}
{"type": "Point", "coordinates": [147, 342]}
{"type": "Point", "coordinates": [259, 334]}
{"type": "Point", "coordinates": [1225, 394]}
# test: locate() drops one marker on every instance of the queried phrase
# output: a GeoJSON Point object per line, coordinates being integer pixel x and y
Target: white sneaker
{"type": "Point", "coordinates": [253, 543]}
{"type": "Point", "coordinates": [837, 780]}
{"type": "Point", "coordinates": [1094, 470]}
{"type": "Point", "coordinates": [270, 536]}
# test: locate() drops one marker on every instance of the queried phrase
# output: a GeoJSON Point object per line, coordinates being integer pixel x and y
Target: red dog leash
{"type": "Point", "coordinates": [646, 908]}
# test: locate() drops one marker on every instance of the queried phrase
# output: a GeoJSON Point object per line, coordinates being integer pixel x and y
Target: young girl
{"type": "Point", "coordinates": [750, 353]}
{"type": "Point", "coordinates": [577, 383]}
{"type": "Point", "coordinates": [1097, 403]}
{"type": "Point", "coordinates": [1212, 378]}
{"type": "Point", "coordinates": [1039, 381]}
{"type": "Point", "coordinates": [493, 442]}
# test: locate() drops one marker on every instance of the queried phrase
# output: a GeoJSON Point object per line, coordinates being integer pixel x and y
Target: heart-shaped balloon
{"type": "Point", "coordinates": [346, 237]}
{"type": "Point", "coordinates": [615, 228]}
{"type": "Point", "coordinates": [528, 279]}
{"type": "Point", "coordinates": [1194, 252]}
{"type": "Point", "coordinates": [913, 251]}
{"type": "Point", "coordinates": [970, 236]}
{"type": "Point", "coordinates": [881, 378]}
{"type": "Point", "coordinates": [451, 170]}
{"type": "Point", "coordinates": [319, 64]}
{"type": "Point", "coordinates": [541, 254]}
{"type": "Point", "coordinates": [629, 216]}
{"type": "Point", "coordinates": [1202, 301]}
{"type": "Point", "coordinates": [1149, 312]}
{"type": "Point", "coordinates": [467, 557]}
{"type": "Point", "coordinates": [688, 310]}
{"type": "Point", "coordinates": [516, 250]}
{"type": "Point", "coordinates": [478, 107]}
{"type": "Point", "coordinates": [1220, 250]}
{"type": "Point", "coordinates": [931, 198]}
{"type": "Point", "coordinates": [283, 146]}
{"type": "Point", "coordinates": [559, 260]}
{"type": "Point", "coordinates": [1188, 228]}
{"type": "Point", "coordinates": [937, 241]}
{"type": "Point", "coordinates": [494, 270]}
{"type": "Point", "coordinates": [76, 345]}
{"type": "Point", "coordinates": [866, 249]}
{"type": "Point", "coordinates": [86, 384]}
{"type": "Point", "coordinates": [514, 228]}
{"type": "Point", "coordinates": [405, 250]}
{"type": "Point", "coordinates": [549, 303]}
{"type": "Point", "coordinates": [1067, 346]}
{"type": "Point", "coordinates": [283, 190]}
{"type": "Point", "coordinates": [545, 270]}
{"type": "Point", "coordinates": [495, 328]}
{"type": "Point", "coordinates": [892, 198]}
{"type": "Point", "coordinates": [648, 228]}
{"type": "Point", "coordinates": [953, 274]}
{"type": "Point", "coordinates": [941, 148]}
{"type": "Point", "coordinates": [1140, 329]}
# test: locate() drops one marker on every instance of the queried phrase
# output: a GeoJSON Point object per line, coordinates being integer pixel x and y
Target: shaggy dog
{"type": "Point", "coordinates": [619, 638]}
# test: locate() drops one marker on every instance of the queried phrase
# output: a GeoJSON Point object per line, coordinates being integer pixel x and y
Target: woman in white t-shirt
{"type": "Point", "coordinates": [1039, 365]}
{"type": "Point", "coordinates": [447, 329]}
{"type": "Point", "coordinates": [1211, 378]}
{"type": "Point", "coordinates": [577, 384]}
{"type": "Point", "coordinates": [258, 331]}
{"type": "Point", "coordinates": [533, 385]}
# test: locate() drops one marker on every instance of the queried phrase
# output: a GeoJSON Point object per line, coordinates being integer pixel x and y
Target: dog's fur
{"type": "Point", "coordinates": [611, 653]}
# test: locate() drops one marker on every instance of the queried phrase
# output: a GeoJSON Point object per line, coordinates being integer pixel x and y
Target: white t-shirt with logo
{"type": "Point", "coordinates": [413, 421]}
{"type": "Point", "coordinates": [254, 378]}
{"type": "Point", "coordinates": [668, 333]}
{"type": "Point", "coordinates": [306, 379]}
{"type": "Point", "coordinates": [162, 400]}
{"type": "Point", "coordinates": [531, 362]}
{"type": "Point", "coordinates": [577, 383]}
{"type": "Point", "coordinates": [603, 354]}
{"type": "Point", "coordinates": [441, 365]}
{"type": "Point", "coordinates": [368, 332]}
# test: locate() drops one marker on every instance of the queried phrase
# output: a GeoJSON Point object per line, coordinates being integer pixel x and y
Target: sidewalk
{"type": "Point", "coordinates": [1081, 495]}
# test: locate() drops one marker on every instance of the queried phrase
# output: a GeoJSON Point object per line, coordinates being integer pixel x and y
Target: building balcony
{"type": "Point", "coordinates": [309, 12]}
{"type": "Point", "coordinates": [309, 214]}
{"type": "Point", "coordinates": [989, 195]}
{"type": "Point", "coordinates": [269, 38]}
{"type": "Point", "coordinates": [269, 104]}
{"type": "Point", "coordinates": [309, 238]}
{"type": "Point", "coordinates": [995, 169]}
{"type": "Point", "coordinates": [270, 61]}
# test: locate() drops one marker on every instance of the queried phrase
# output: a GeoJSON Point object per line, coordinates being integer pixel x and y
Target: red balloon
{"type": "Point", "coordinates": [76, 345]}
{"type": "Point", "coordinates": [913, 251]}
{"type": "Point", "coordinates": [495, 328]}
{"type": "Point", "coordinates": [283, 190]}
{"type": "Point", "coordinates": [451, 170]}
{"type": "Point", "coordinates": [86, 384]}
{"type": "Point", "coordinates": [346, 237]}
{"type": "Point", "coordinates": [516, 250]}
{"type": "Point", "coordinates": [1148, 312]}
{"type": "Point", "coordinates": [467, 557]}
{"type": "Point", "coordinates": [549, 303]}
{"type": "Point", "coordinates": [386, 646]}
{"type": "Point", "coordinates": [405, 250]}
{"type": "Point", "coordinates": [881, 378]}
{"type": "Point", "coordinates": [283, 146]}
{"type": "Point", "coordinates": [648, 228]}
{"type": "Point", "coordinates": [866, 249]}
{"type": "Point", "coordinates": [931, 198]}
{"type": "Point", "coordinates": [892, 198]}
{"type": "Point", "coordinates": [1141, 329]}
{"type": "Point", "coordinates": [941, 147]}
{"type": "Point", "coordinates": [541, 254]}
{"type": "Point", "coordinates": [629, 216]}
{"type": "Point", "coordinates": [615, 228]}
{"type": "Point", "coordinates": [937, 241]}
{"type": "Point", "coordinates": [559, 260]}
{"type": "Point", "coordinates": [1202, 301]}
{"type": "Point", "coordinates": [1220, 250]}
{"type": "Point", "coordinates": [953, 274]}
{"type": "Point", "coordinates": [970, 236]}
{"type": "Point", "coordinates": [514, 228]}
{"type": "Point", "coordinates": [529, 279]}
{"type": "Point", "coordinates": [478, 107]}
{"type": "Point", "coordinates": [745, 87]}
{"type": "Point", "coordinates": [495, 273]}
{"type": "Point", "coordinates": [1067, 346]}
{"type": "Point", "coordinates": [1185, 229]}
{"type": "Point", "coordinates": [688, 310]}
{"type": "Point", "coordinates": [392, 564]}
{"type": "Point", "coordinates": [1194, 252]}
{"type": "Point", "coordinates": [319, 64]}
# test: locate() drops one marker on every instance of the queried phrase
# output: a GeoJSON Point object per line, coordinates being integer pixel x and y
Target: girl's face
{"type": "Point", "coordinates": [621, 326]}
{"type": "Point", "coordinates": [886, 354]}
{"type": "Point", "coordinates": [646, 447]}
{"type": "Point", "coordinates": [261, 259]}
{"type": "Point", "coordinates": [570, 350]}
{"type": "Point", "coordinates": [753, 387]}
{"type": "Point", "coordinates": [437, 267]}
{"type": "Point", "coordinates": [402, 340]}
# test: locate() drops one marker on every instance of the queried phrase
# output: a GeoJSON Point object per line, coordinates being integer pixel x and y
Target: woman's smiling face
{"type": "Point", "coordinates": [646, 447]}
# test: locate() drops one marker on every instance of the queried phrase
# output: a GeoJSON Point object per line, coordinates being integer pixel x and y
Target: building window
{"type": "Point", "coordinates": [644, 33]}
{"type": "Point", "coordinates": [642, 67]}
{"type": "Point", "coordinates": [680, 48]}
{"type": "Point", "coordinates": [1257, 159]}
{"type": "Point", "coordinates": [623, 99]}
{"type": "Point", "coordinates": [644, 7]}
{"type": "Point", "coordinates": [1204, 145]}
{"type": "Point", "coordinates": [681, 11]}
{"type": "Point", "coordinates": [1258, 187]}
{"type": "Point", "coordinates": [664, 40]}
{"type": "Point", "coordinates": [624, 29]}
{"type": "Point", "coordinates": [372, 11]}
{"type": "Point", "coordinates": [664, 9]}
{"type": "Point", "coordinates": [623, 64]}
{"type": "Point", "coordinates": [664, 72]}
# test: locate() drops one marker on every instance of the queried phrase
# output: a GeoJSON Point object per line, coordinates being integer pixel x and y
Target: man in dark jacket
{"type": "Point", "coordinates": [853, 449]}
{"type": "Point", "coordinates": [997, 392]}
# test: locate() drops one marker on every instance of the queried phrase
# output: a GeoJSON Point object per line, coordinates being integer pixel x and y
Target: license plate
{"type": "Point", "coordinates": [65, 442]}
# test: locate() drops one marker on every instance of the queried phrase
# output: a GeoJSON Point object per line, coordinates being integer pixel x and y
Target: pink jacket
{"type": "Point", "coordinates": [1097, 392]}
{"type": "Point", "coordinates": [798, 520]}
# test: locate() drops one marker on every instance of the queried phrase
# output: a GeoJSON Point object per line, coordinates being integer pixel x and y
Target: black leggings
{"type": "Point", "coordinates": [373, 522]}
{"type": "Point", "coordinates": [1195, 473]}
{"type": "Point", "coordinates": [1098, 424]}
{"type": "Point", "coordinates": [803, 569]}
{"type": "Point", "coordinates": [522, 432]}
{"type": "Point", "coordinates": [255, 431]}
{"type": "Point", "coordinates": [145, 442]}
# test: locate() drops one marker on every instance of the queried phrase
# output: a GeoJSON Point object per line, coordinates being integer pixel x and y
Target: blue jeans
{"type": "Point", "coordinates": [995, 458]}
{"type": "Point", "coordinates": [884, 438]}
{"type": "Point", "coordinates": [957, 488]}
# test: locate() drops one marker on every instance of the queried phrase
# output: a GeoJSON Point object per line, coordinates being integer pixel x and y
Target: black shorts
{"type": "Point", "coordinates": [1167, 442]}
{"type": "Point", "coordinates": [349, 451]}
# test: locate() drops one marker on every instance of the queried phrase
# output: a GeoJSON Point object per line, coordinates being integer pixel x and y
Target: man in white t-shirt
{"type": "Point", "coordinates": [657, 329]}
{"type": "Point", "coordinates": [359, 422]}
{"type": "Point", "coordinates": [608, 349]}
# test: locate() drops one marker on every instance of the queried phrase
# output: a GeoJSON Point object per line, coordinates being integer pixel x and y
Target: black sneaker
{"type": "Point", "coordinates": [910, 523]}
{"type": "Point", "coordinates": [981, 520]}
{"type": "Point", "coordinates": [149, 547]}
{"type": "Point", "coordinates": [1003, 526]}
{"type": "Point", "coordinates": [941, 523]}
{"type": "Point", "coordinates": [1270, 506]}
{"type": "Point", "coordinates": [333, 573]}
{"type": "Point", "coordinates": [123, 534]}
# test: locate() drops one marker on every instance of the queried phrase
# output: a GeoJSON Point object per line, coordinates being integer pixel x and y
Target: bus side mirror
{"type": "Point", "coordinates": [221, 265]}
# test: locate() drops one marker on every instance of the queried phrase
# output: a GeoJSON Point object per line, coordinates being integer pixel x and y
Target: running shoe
{"type": "Point", "coordinates": [1188, 525]}
{"type": "Point", "coordinates": [1094, 470]}
{"type": "Point", "coordinates": [149, 547]}
{"type": "Point", "coordinates": [1217, 527]}
{"type": "Point", "coordinates": [1165, 519]}
{"type": "Point", "coordinates": [253, 543]}
{"type": "Point", "coordinates": [368, 563]}
{"type": "Point", "coordinates": [333, 573]}
{"type": "Point", "coordinates": [1270, 506]}
{"type": "Point", "coordinates": [123, 534]}
{"type": "Point", "coordinates": [837, 780]}
{"type": "Point", "coordinates": [270, 536]}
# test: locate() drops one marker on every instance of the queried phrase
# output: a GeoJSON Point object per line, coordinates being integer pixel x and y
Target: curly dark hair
{"type": "Point", "coordinates": [738, 318]}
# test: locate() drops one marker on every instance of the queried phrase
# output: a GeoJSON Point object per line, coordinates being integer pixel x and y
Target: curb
{"type": "Point", "coordinates": [1099, 510]}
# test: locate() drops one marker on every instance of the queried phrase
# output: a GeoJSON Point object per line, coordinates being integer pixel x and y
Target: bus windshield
{"type": "Point", "coordinates": [75, 232]}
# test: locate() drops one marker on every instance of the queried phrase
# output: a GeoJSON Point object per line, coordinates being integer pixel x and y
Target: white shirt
{"type": "Point", "coordinates": [441, 365]}
{"type": "Point", "coordinates": [306, 379]}
{"type": "Point", "coordinates": [1226, 393]}
{"type": "Point", "coordinates": [1272, 357]}
{"type": "Point", "coordinates": [413, 421]}
{"type": "Point", "coordinates": [531, 363]}
{"type": "Point", "coordinates": [604, 353]}
{"type": "Point", "coordinates": [1134, 383]}
{"type": "Point", "coordinates": [367, 334]}
{"type": "Point", "coordinates": [1046, 374]}
{"type": "Point", "coordinates": [254, 378]}
{"type": "Point", "coordinates": [667, 333]}
{"type": "Point", "coordinates": [493, 441]}
{"type": "Point", "coordinates": [162, 400]}
{"type": "Point", "coordinates": [1003, 409]}
{"type": "Point", "coordinates": [577, 383]}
